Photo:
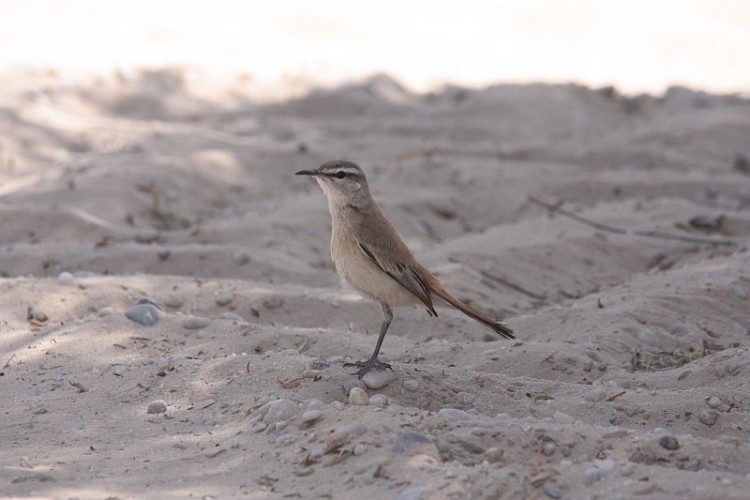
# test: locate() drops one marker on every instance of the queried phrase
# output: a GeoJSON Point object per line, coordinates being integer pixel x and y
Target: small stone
{"type": "Point", "coordinates": [414, 443]}
{"type": "Point", "coordinates": [606, 464]}
{"type": "Point", "coordinates": [726, 481]}
{"type": "Point", "coordinates": [344, 435]}
{"type": "Point", "coordinates": [377, 379]}
{"type": "Point", "coordinates": [195, 322]}
{"type": "Point", "coordinates": [173, 301]}
{"type": "Point", "coordinates": [669, 443]}
{"type": "Point", "coordinates": [549, 449]}
{"type": "Point", "coordinates": [65, 278]}
{"type": "Point", "coordinates": [311, 416]}
{"type": "Point", "coordinates": [358, 397]}
{"type": "Point", "coordinates": [157, 406]}
{"type": "Point", "coordinates": [351, 383]}
{"type": "Point", "coordinates": [378, 400]}
{"type": "Point", "coordinates": [413, 493]}
{"type": "Point", "coordinates": [143, 314]}
{"type": "Point", "coordinates": [552, 490]}
{"type": "Point", "coordinates": [453, 414]}
{"type": "Point", "coordinates": [278, 410]}
{"type": "Point", "coordinates": [563, 418]}
{"type": "Point", "coordinates": [224, 298]}
{"type": "Point", "coordinates": [494, 455]}
{"type": "Point", "coordinates": [708, 417]}
{"type": "Point", "coordinates": [106, 311]}
{"type": "Point", "coordinates": [258, 427]}
{"type": "Point", "coordinates": [241, 258]}
{"type": "Point", "coordinates": [411, 385]}
{"type": "Point", "coordinates": [318, 364]}
{"type": "Point", "coordinates": [593, 474]}
{"type": "Point", "coordinates": [595, 395]}
{"type": "Point", "coordinates": [164, 254]}
{"type": "Point", "coordinates": [465, 398]}
{"type": "Point", "coordinates": [228, 316]}
{"type": "Point", "coordinates": [234, 444]}
{"type": "Point", "coordinates": [316, 453]}
{"type": "Point", "coordinates": [360, 449]}
{"type": "Point", "coordinates": [713, 402]}
{"type": "Point", "coordinates": [146, 235]}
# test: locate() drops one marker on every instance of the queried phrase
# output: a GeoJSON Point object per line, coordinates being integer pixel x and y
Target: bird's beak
{"type": "Point", "coordinates": [308, 172]}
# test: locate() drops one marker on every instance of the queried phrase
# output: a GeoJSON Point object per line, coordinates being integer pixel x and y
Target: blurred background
{"type": "Point", "coordinates": [284, 47]}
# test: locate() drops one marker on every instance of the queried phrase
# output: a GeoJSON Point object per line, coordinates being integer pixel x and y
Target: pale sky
{"type": "Point", "coordinates": [637, 45]}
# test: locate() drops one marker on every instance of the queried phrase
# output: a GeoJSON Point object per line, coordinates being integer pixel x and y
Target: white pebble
{"type": "Point", "coordinates": [411, 385]}
{"type": "Point", "coordinates": [360, 449]}
{"type": "Point", "coordinates": [195, 322]}
{"type": "Point", "coordinates": [223, 298]}
{"type": "Point", "coordinates": [311, 416]}
{"type": "Point", "coordinates": [377, 379]}
{"type": "Point", "coordinates": [378, 400]}
{"type": "Point", "coordinates": [146, 235]}
{"type": "Point", "coordinates": [713, 402]}
{"type": "Point", "coordinates": [65, 278]}
{"type": "Point", "coordinates": [279, 410]}
{"type": "Point", "coordinates": [157, 406]}
{"type": "Point", "coordinates": [595, 395]}
{"type": "Point", "coordinates": [358, 397]}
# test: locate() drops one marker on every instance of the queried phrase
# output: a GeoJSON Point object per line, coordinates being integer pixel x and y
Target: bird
{"type": "Point", "coordinates": [370, 256]}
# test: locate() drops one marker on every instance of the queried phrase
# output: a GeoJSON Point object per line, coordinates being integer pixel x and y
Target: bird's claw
{"type": "Point", "coordinates": [366, 366]}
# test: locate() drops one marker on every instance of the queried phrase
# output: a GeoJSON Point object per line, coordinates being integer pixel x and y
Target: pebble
{"type": "Point", "coordinates": [344, 435]}
{"type": "Point", "coordinates": [234, 444]}
{"type": "Point", "coordinates": [164, 254]}
{"type": "Point", "coordinates": [311, 416]}
{"type": "Point", "coordinates": [465, 398]}
{"type": "Point", "coordinates": [413, 443]}
{"type": "Point", "coordinates": [227, 316]}
{"type": "Point", "coordinates": [358, 397]}
{"type": "Point", "coordinates": [593, 474]}
{"type": "Point", "coordinates": [106, 311]}
{"type": "Point", "coordinates": [563, 418]}
{"type": "Point", "coordinates": [241, 258]}
{"type": "Point", "coordinates": [713, 402]}
{"type": "Point", "coordinates": [411, 385]}
{"type": "Point", "coordinates": [379, 400]}
{"type": "Point", "coordinates": [708, 417]}
{"type": "Point", "coordinates": [360, 449]}
{"type": "Point", "coordinates": [143, 314]}
{"type": "Point", "coordinates": [278, 410]}
{"type": "Point", "coordinates": [669, 443]}
{"type": "Point", "coordinates": [453, 414]}
{"type": "Point", "coordinates": [595, 395]}
{"type": "Point", "coordinates": [318, 364]}
{"type": "Point", "coordinates": [606, 464]}
{"type": "Point", "coordinates": [65, 278]}
{"type": "Point", "coordinates": [157, 406]}
{"type": "Point", "coordinates": [377, 379]}
{"type": "Point", "coordinates": [258, 427]}
{"type": "Point", "coordinates": [552, 490]}
{"type": "Point", "coordinates": [494, 455]}
{"type": "Point", "coordinates": [549, 449]}
{"type": "Point", "coordinates": [173, 301]}
{"type": "Point", "coordinates": [351, 383]}
{"type": "Point", "coordinates": [285, 439]}
{"type": "Point", "coordinates": [316, 453]}
{"type": "Point", "coordinates": [224, 298]}
{"type": "Point", "coordinates": [146, 235]}
{"type": "Point", "coordinates": [413, 493]}
{"type": "Point", "coordinates": [195, 322]}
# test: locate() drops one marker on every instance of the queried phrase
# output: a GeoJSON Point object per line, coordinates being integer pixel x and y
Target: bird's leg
{"type": "Point", "coordinates": [374, 362]}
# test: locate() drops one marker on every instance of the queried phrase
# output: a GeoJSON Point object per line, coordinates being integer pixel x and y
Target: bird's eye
{"type": "Point", "coordinates": [340, 175]}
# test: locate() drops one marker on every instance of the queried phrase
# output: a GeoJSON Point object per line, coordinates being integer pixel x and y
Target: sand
{"type": "Point", "coordinates": [628, 378]}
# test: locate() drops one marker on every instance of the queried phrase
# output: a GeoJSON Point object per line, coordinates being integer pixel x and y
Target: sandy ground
{"type": "Point", "coordinates": [628, 379]}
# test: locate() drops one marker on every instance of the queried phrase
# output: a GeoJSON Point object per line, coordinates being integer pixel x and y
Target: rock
{"type": "Point", "coordinates": [595, 395]}
{"type": "Point", "coordinates": [157, 406]}
{"type": "Point", "coordinates": [318, 364]}
{"type": "Point", "coordinates": [351, 383]}
{"type": "Point", "coordinates": [358, 397]}
{"type": "Point", "coordinates": [413, 493]}
{"type": "Point", "coordinates": [173, 301]}
{"type": "Point", "coordinates": [143, 314]}
{"type": "Point", "coordinates": [453, 414]}
{"type": "Point", "coordinates": [708, 417]}
{"type": "Point", "coordinates": [707, 222]}
{"type": "Point", "coordinates": [164, 254]}
{"type": "Point", "coordinates": [669, 443]}
{"type": "Point", "coordinates": [311, 416]}
{"type": "Point", "coordinates": [258, 427]}
{"type": "Point", "coordinates": [65, 278]}
{"type": "Point", "coordinates": [195, 322]}
{"type": "Point", "coordinates": [278, 410]}
{"type": "Point", "coordinates": [227, 316]}
{"type": "Point", "coordinates": [234, 443]}
{"type": "Point", "coordinates": [464, 398]}
{"type": "Point", "coordinates": [549, 449]}
{"type": "Point", "coordinates": [713, 402]}
{"type": "Point", "coordinates": [411, 385]}
{"type": "Point", "coordinates": [593, 474]}
{"type": "Point", "coordinates": [360, 449]}
{"type": "Point", "coordinates": [377, 379]}
{"type": "Point", "coordinates": [378, 400]}
{"type": "Point", "coordinates": [344, 435]}
{"type": "Point", "coordinates": [494, 455]}
{"type": "Point", "coordinates": [146, 235]}
{"type": "Point", "coordinates": [106, 311]}
{"type": "Point", "coordinates": [413, 443]}
{"type": "Point", "coordinates": [552, 490]}
{"type": "Point", "coordinates": [224, 298]}
{"type": "Point", "coordinates": [241, 258]}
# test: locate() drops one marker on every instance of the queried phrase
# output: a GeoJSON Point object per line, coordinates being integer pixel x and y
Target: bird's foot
{"type": "Point", "coordinates": [366, 366]}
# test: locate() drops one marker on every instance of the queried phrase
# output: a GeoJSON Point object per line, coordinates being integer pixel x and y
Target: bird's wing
{"type": "Point", "coordinates": [406, 275]}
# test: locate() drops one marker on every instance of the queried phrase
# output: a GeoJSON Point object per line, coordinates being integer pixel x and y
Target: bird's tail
{"type": "Point", "coordinates": [471, 312]}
